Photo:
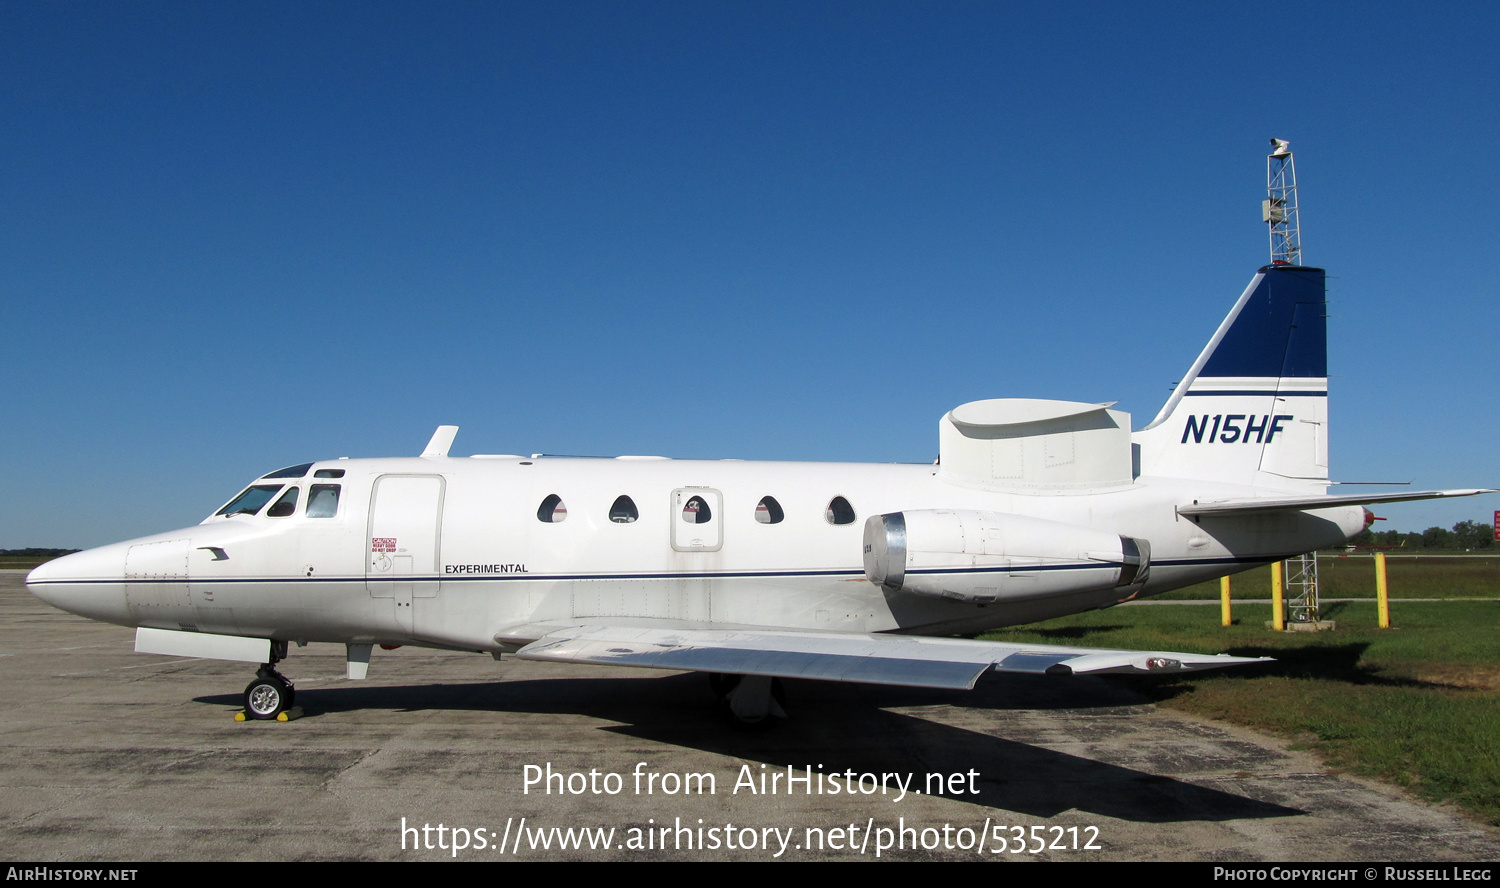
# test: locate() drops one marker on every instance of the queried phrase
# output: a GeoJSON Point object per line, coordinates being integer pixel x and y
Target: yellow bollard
{"type": "Point", "coordinates": [1224, 600]}
{"type": "Point", "coordinates": [1382, 598]}
{"type": "Point", "coordinates": [1278, 619]}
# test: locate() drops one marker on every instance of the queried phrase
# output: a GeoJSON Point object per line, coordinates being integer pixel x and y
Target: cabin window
{"type": "Point", "coordinates": [839, 511]}
{"type": "Point", "coordinates": [289, 472]}
{"type": "Point", "coordinates": [552, 510]}
{"type": "Point", "coordinates": [768, 511]}
{"type": "Point", "coordinates": [284, 506]}
{"type": "Point", "coordinates": [250, 500]}
{"type": "Point", "coordinates": [696, 511]}
{"type": "Point", "coordinates": [323, 501]}
{"type": "Point", "coordinates": [329, 473]}
{"type": "Point", "coordinates": [623, 511]}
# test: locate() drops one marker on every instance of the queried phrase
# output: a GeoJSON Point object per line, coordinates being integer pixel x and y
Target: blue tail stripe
{"type": "Point", "coordinates": [1280, 332]}
{"type": "Point", "coordinates": [1307, 347]}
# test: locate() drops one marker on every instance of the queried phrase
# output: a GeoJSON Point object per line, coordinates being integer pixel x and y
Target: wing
{"type": "Point", "coordinates": [878, 659]}
{"type": "Point", "coordinates": [1230, 507]}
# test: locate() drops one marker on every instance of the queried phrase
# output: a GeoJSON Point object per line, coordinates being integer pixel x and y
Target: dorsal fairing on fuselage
{"type": "Point", "coordinates": [1029, 446]}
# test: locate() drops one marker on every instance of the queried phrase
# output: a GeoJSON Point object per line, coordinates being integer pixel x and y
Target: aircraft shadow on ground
{"type": "Point", "coordinates": [1327, 662]}
{"type": "Point", "coordinates": [1062, 634]}
{"type": "Point", "coordinates": [838, 727]}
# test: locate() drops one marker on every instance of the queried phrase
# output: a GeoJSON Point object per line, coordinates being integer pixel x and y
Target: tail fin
{"type": "Point", "coordinates": [1253, 409]}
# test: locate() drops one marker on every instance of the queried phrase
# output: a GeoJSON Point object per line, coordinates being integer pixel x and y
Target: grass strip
{"type": "Point", "coordinates": [1417, 705]}
{"type": "Point", "coordinates": [1353, 576]}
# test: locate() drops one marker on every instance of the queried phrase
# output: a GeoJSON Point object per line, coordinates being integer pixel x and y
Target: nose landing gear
{"type": "Point", "coordinates": [271, 693]}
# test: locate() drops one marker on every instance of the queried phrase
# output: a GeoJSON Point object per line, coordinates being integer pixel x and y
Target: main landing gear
{"type": "Point", "coordinates": [753, 702]}
{"type": "Point", "coordinates": [271, 693]}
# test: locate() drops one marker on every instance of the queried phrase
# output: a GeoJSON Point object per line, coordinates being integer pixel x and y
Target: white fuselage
{"type": "Point", "coordinates": [453, 553]}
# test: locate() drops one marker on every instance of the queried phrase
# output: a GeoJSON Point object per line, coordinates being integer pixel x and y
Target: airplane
{"type": "Point", "coordinates": [757, 571]}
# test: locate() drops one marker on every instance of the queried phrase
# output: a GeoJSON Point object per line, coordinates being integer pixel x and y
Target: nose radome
{"type": "Point", "coordinates": [88, 583]}
{"type": "Point", "coordinates": [49, 572]}
{"type": "Point", "coordinates": [40, 572]}
{"type": "Point", "coordinates": [105, 563]}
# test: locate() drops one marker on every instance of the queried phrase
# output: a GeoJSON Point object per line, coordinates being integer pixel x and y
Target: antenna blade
{"type": "Point", "coordinates": [442, 439]}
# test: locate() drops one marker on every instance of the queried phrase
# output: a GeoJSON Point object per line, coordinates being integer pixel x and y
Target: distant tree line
{"type": "Point", "coordinates": [1465, 536]}
{"type": "Point", "coordinates": [36, 553]}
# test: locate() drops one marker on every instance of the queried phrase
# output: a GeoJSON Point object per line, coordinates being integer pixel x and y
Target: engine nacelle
{"type": "Point", "coordinates": [989, 556]}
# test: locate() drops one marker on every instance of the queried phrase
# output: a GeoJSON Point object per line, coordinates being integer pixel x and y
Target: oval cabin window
{"type": "Point", "coordinates": [623, 511]}
{"type": "Point", "coordinates": [696, 511]}
{"type": "Point", "coordinates": [839, 511]}
{"type": "Point", "coordinates": [768, 511]}
{"type": "Point", "coordinates": [552, 510]}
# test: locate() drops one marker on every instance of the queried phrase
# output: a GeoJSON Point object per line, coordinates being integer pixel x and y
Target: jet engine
{"type": "Point", "coordinates": [985, 557]}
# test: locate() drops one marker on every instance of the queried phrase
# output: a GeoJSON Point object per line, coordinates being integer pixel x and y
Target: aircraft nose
{"type": "Point", "coordinates": [90, 584]}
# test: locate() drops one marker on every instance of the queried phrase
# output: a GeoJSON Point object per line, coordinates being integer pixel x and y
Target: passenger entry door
{"type": "Point", "coordinates": [404, 542]}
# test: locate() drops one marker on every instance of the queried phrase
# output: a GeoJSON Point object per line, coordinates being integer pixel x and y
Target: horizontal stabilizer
{"type": "Point", "coordinates": [1299, 503]}
{"type": "Point", "coordinates": [878, 659]}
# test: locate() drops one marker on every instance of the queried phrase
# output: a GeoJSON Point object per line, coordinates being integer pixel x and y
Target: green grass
{"type": "Point", "coordinates": [1407, 576]}
{"type": "Point", "coordinates": [1417, 705]}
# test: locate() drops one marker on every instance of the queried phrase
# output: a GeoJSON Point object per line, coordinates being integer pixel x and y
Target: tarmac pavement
{"type": "Point", "coordinates": [109, 755]}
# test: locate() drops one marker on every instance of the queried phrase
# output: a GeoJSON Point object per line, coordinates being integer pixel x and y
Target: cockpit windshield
{"type": "Point", "coordinates": [251, 500]}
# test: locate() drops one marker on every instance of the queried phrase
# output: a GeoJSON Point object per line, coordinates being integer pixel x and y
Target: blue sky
{"type": "Point", "coordinates": [239, 236]}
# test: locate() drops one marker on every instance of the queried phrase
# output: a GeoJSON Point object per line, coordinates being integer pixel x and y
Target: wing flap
{"type": "Point", "coordinates": [877, 659]}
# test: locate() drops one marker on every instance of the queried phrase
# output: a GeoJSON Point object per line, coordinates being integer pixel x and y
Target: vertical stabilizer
{"type": "Point", "coordinates": [1253, 408]}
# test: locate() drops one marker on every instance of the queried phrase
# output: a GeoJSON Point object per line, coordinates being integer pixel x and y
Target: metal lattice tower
{"type": "Point", "coordinates": [1279, 212]}
{"type": "Point", "coordinates": [1302, 588]}
{"type": "Point", "coordinates": [1279, 209]}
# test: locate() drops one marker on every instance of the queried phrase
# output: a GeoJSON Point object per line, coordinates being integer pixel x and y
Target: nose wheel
{"type": "Point", "coordinates": [270, 694]}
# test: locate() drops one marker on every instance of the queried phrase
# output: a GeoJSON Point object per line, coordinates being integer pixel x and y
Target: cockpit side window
{"type": "Point", "coordinates": [284, 506]}
{"type": "Point", "coordinates": [323, 501]}
{"type": "Point", "coordinates": [288, 472]}
{"type": "Point", "coordinates": [250, 501]}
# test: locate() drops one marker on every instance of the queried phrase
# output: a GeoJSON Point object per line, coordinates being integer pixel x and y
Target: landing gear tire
{"type": "Point", "coordinates": [268, 696]}
{"type": "Point", "coordinates": [721, 684]}
{"type": "Point", "coordinates": [751, 702]}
